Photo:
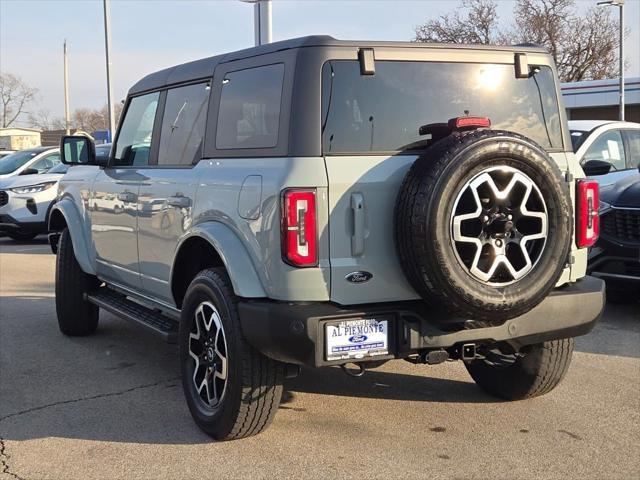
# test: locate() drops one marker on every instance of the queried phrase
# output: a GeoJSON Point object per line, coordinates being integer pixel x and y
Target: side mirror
{"type": "Point", "coordinates": [596, 167]}
{"type": "Point", "coordinates": [77, 150]}
{"type": "Point", "coordinates": [29, 171]}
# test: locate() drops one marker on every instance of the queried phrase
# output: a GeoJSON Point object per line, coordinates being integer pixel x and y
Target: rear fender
{"type": "Point", "coordinates": [244, 278]}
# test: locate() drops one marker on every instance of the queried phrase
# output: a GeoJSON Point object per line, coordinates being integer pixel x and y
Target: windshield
{"type": "Point", "coordinates": [12, 162]}
{"type": "Point", "coordinates": [577, 138]}
{"type": "Point", "coordinates": [383, 112]}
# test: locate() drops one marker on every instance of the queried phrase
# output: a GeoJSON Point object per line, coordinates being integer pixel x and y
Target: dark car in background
{"type": "Point", "coordinates": [616, 256]}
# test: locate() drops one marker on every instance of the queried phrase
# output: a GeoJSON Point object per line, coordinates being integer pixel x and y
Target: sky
{"type": "Point", "coordinates": [149, 35]}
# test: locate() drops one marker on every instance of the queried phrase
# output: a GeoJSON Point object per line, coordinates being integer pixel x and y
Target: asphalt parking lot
{"type": "Point", "coordinates": [111, 406]}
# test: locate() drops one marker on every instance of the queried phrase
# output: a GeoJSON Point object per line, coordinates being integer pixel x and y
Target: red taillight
{"type": "Point", "coordinates": [463, 123]}
{"type": "Point", "coordinates": [299, 230]}
{"type": "Point", "coordinates": [587, 219]}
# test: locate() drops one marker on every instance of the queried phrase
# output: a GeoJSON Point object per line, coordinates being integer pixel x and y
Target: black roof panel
{"type": "Point", "coordinates": [204, 68]}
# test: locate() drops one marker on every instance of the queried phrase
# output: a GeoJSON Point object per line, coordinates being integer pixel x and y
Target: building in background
{"type": "Point", "coordinates": [599, 99]}
{"type": "Point", "coordinates": [19, 138]}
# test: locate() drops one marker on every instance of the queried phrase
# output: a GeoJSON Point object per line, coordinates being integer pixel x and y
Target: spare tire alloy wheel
{"type": "Point", "coordinates": [499, 232]}
{"type": "Point", "coordinates": [208, 349]}
{"type": "Point", "coordinates": [483, 225]}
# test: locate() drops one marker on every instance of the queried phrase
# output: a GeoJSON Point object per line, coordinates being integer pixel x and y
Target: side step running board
{"type": "Point", "coordinates": [150, 319]}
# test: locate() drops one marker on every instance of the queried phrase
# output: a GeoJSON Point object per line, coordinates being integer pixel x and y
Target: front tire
{"type": "Point", "coordinates": [536, 370]}
{"type": "Point", "coordinates": [232, 390]}
{"type": "Point", "coordinates": [76, 316]}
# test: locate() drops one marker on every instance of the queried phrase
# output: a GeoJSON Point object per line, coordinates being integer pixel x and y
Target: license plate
{"type": "Point", "coordinates": [357, 338]}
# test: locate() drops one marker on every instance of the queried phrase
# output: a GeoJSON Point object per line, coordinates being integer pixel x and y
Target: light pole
{"type": "Point", "coordinates": [620, 4]}
{"type": "Point", "coordinates": [107, 49]}
{"type": "Point", "coordinates": [66, 89]}
{"type": "Point", "coordinates": [262, 25]}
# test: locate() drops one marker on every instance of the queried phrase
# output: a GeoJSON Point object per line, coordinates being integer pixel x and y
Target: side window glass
{"type": "Point", "coordinates": [46, 163]}
{"type": "Point", "coordinates": [183, 125]}
{"type": "Point", "coordinates": [249, 114]}
{"type": "Point", "coordinates": [134, 139]}
{"type": "Point", "coordinates": [608, 147]}
{"type": "Point", "coordinates": [633, 155]}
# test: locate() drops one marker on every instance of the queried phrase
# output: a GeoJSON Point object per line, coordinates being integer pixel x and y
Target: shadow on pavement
{"type": "Point", "coordinates": [617, 333]}
{"type": "Point", "coordinates": [387, 386]}
{"type": "Point", "coordinates": [39, 245]}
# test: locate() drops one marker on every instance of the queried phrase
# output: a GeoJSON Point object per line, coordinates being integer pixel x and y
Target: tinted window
{"type": "Point", "coordinates": [608, 147]}
{"type": "Point", "coordinates": [102, 152]}
{"type": "Point", "coordinates": [383, 112]}
{"type": "Point", "coordinates": [249, 114]}
{"type": "Point", "coordinates": [46, 163]}
{"type": "Point", "coordinates": [14, 161]}
{"type": "Point", "coordinates": [633, 157]}
{"type": "Point", "coordinates": [183, 125]}
{"type": "Point", "coordinates": [134, 139]}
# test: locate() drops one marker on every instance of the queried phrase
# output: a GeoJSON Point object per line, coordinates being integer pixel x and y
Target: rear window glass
{"type": "Point", "coordinates": [383, 112]}
{"type": "Point", "coordinates": [249, 113]}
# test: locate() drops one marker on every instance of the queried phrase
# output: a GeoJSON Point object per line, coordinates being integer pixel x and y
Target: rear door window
{"type": "Point", "coordinates": [133, 145]}
{"type": "Point", "coordinates": [608, 147]}
{"type": "Point", "coordinates": [249, 113]}
{"type": "Point", "coordinates": [383, 112]}
{"type": "Point", "coordinates": [183, 125]}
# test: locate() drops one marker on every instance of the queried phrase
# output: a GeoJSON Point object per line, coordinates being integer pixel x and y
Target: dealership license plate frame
{"type": "Point", "coordinates": [369, 348]}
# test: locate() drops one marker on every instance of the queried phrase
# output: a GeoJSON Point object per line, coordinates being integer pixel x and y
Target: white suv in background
{"type": "Point", "coordinates": [26, 199]}
{"type": "Point", "coordinates": [607, 150]}
{"type": "Point", "coordinates": [31, 160]}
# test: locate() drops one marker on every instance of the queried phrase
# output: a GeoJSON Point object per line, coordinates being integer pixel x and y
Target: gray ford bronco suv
{"type": "Point", "coordinates": [316, 202]}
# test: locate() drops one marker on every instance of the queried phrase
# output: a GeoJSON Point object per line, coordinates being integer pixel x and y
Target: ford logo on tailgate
{"type": "Point", "coordinates": [358, 277]}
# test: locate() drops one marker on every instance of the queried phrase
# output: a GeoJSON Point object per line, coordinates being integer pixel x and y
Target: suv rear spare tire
{"type": "Point", "coordinates": [483, 224]}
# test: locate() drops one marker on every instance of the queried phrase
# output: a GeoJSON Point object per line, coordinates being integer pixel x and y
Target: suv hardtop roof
{"type": "Point", "coordinates": [203, 68]}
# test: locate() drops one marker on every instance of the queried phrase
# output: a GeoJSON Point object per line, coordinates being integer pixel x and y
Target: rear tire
{"type": "Point", "coordinates": [232, 390]}
{"type": "Point", "coordinates": [76, 316]}
{"type": "Point", "coordinates": [537, 372]}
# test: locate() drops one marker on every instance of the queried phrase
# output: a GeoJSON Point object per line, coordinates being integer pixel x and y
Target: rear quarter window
{"type": "Point", "coordinates": [383, 112]}
{"type": "Point", "coordinates": [249, 113]}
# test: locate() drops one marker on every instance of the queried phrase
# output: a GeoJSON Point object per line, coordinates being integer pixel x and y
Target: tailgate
{"type": "Point", "coordinates": [362, 195]}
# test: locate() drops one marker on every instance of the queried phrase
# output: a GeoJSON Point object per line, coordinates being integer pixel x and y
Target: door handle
{"type": "Point", "coordinates": [179, 202]}
{"type": "Point", "coordinates": [357, 239]}
{"type": "Point", "coordinates": [127, 197]}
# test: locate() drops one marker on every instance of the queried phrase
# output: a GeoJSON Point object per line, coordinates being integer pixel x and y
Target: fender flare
{"type": "Point", "coordinates": [74, 222]}
{"type": "Point", "coordinates": [244, 277]}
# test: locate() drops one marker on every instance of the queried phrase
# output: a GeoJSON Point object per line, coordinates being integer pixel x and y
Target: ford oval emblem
{"type": "Point", "coordinates": [358, 277]}
{"type": "Point", "coordinates": [358, 339]}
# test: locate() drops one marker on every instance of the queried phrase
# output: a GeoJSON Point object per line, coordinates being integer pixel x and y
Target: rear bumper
{"type": "Point", "coordinates": [294, 333]}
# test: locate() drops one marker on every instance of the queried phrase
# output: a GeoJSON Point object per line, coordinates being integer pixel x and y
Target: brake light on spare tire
{"type": "Point", "coordinates": [587, 218]}
{"type": "Point", "coordinates": [299, 227]}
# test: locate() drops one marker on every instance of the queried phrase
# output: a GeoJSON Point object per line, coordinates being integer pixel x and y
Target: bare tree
{"type": "Point", "coordinates": [91, 120]}
{"type": "Point", "coordinates": [15, 95]}
{"type": "Point", "coordinates": [476, 21]}
{"type": "Point", "coordinates": [43, 120]}
{"type": "Point", "coordinates": [582, 46]}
